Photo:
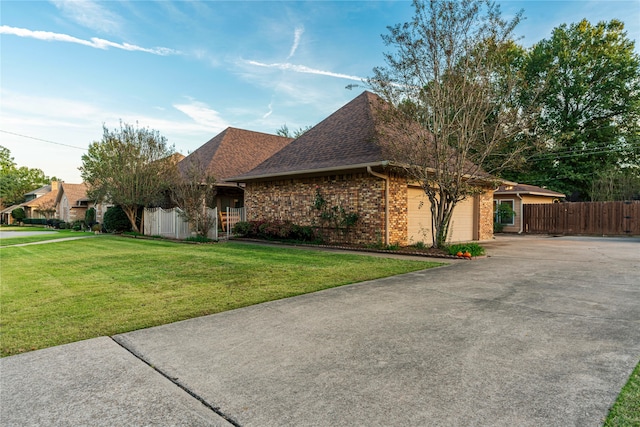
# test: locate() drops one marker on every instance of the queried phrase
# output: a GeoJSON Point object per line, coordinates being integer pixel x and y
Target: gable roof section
{"type": "Point", "coordinates": [74, 192]}
{"type": "Point", "coordinates": [526, 189]}
{"type": "Point", "coordinates": [345, 138]}
{"type": "Point", "coordinates": [235, 152]}
{"type": "Point", "coordinates": [42, 201]}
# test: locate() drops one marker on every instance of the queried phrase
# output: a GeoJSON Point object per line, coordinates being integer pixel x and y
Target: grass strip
{"type": "Point", "coordinates": [626, 410]}
{"type": "Point", "coordinates": [69, 291]}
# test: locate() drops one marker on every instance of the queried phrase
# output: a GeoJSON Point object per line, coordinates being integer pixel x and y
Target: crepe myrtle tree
{"type": "Point", "coordinates": [450, 101]}
{"type": "Point", "coordinates": [131, 167]}
{"type": "Point", "coordinates": [193, 190]}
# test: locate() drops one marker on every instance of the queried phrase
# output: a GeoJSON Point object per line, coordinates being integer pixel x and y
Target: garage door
{"type": "Point", "coordinates": [462, 228]}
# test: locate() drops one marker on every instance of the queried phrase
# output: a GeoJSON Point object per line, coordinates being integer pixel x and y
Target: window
{"type": "Point", "coordinates": [504, 212]}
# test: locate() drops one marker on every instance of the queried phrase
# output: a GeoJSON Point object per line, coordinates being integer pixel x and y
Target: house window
{"type": "Point", "coordinates": [504, 212]}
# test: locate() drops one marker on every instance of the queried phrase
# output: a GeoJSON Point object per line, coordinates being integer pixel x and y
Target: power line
{"type": "Point", "coordinates": [43, 140]}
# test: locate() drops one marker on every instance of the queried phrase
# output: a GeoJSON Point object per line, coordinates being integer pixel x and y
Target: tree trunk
{"type": "Point", "coordinates": [131, 212]}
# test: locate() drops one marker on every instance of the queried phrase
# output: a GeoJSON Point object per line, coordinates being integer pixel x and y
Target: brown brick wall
{"type": "Point", "coordinates": [398, 210]}
{"type": "Point", "coordinates": [485, 220]}
{"type": "Point", "coordinates": [293, 199]}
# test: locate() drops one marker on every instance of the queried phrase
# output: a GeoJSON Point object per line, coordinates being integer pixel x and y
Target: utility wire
{"type": "Point", "coordinates": [43, 140]}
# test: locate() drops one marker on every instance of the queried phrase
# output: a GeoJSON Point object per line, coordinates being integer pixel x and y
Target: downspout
{"type": "Point", "coordinates": [386, 202]}
{"type": "Point", "coordinates": [521, 214]}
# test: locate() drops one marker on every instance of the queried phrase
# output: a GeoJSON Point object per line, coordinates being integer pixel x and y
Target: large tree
{"type": "Point", "coordinates": [16, 181]}
{"type": "Point", "coordinates": [590, 101]}
{"type": "Point", "coordinates": [130, 167]}
{"type": "Point", "coordinates": [451, 101]}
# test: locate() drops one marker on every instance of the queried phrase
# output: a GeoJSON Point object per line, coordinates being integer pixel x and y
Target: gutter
{"type": "Point", "coordinates": [243, 178]}
{"type": "Point", "coordinates": [386, 202]}
{"type": "Point", "coordinates": [521, 211]}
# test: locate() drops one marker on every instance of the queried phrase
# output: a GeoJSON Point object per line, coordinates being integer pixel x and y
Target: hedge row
{"type": "Point", "coordinates": [276, 230]}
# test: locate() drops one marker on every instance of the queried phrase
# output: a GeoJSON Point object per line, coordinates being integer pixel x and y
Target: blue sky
{"type": "Point", "coordinates": [189, 69]}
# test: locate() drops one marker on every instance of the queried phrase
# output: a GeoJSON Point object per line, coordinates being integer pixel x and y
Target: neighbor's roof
{"type": "Point", "coordinates": [345, 138]}
{"type": "Point", "coordinates": [235, 151]}
{"type": "Point", "coordinates": [74, 193]}
{"type": "Point", "coordinates": [526, 189]}
{"type": "Point", "coordinates": [50, 197]}
{"type": "Point", "coordinates": [42, 190]}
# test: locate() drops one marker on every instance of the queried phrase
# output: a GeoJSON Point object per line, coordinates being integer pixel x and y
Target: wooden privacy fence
{"type": "Point", "coordinates": [601, 218]}
{"type": "Point", "coordinates": [169, 223]}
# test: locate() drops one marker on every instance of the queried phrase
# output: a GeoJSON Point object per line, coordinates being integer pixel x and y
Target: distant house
{"type": "Point", "coordinates": [40, 203]}
{"type": "Point", "coordinates": [230, 153]}
{"type": "Point", "coordinates": [340, 160]}
{"type": "Point", "coordinates": [515, 195]}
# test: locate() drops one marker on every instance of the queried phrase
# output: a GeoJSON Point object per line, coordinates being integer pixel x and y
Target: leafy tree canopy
{"type": "Point", "coordinates": [16, 181]}
{"type": "Point", "coordinates": [130, 167]}
{"type": "Point", "coordinates": [589, 79]}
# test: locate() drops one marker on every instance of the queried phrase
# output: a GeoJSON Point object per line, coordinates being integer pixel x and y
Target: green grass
{"type": "Point", "coordinates": [626, 411]}
{"type": "Point", "coordinates": [60, 234]}
{"type": "Point", "coordinates": [68, 291]}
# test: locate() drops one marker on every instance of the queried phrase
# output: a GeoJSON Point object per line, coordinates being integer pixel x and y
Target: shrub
{"type": "Point", "coordinates": [242, 228]}
{"type": "Point", "coordinates": [199, 239]}
{"type": "Point", "coordinates": [35, 221]}
{"type": "Point", "coordinates": [18, 214]}
{"type": "Point", "coordinates": [115, 220]}
{"type": "Point", "coordinates": [90, 217]}
{"type": "Point", "coordinates": [96, 227]}
{"type": "Point", "coordinates": [77, 225]}
{"type": "Point", "coordinates": [473, 248]}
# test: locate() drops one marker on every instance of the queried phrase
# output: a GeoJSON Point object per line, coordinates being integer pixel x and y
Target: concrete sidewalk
{"type": "Point", "coordinates": [542, 332]}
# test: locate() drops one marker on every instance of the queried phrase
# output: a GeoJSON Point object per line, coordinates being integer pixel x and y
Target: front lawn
{"type": "Point", "coordinates": [8, 240]}
{"type": "Point", "coordinates": [69, 291]}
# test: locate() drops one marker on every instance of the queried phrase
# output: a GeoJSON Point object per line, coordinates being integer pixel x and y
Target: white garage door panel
{"type": "Point", "coordinates": [419, 219]}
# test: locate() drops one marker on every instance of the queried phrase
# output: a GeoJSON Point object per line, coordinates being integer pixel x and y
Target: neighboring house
{"type": "Point", "coordinates": [516, 195]}
{"type": "Point", "coordinates": [72, 203]}
{"type": "Point", "coordinates": [340, 160]}
{"type": "Point", "coordinates": [230, 153]}
{"type": "Point", "coordinates": [40, 203]}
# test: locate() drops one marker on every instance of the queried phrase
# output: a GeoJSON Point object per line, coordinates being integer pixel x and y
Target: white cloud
{"type": "Point", "coordinates": [94, 42]}
{"type": "Point", "coordinates": [304, 69]}
{"type": "Point", "coordinates": [89, 14]}
{"type": "Point", "coordinates": [296, 41]}
{"type": "Point", "coordinates": [203, 115]}
{"type": "Point", "coordinates": [268, 113]}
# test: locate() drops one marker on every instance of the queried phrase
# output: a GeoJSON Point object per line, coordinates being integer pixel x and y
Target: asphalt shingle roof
{"type": "Point", "coordinates": [526, 189]}
{"type": "Point", "coordinates": [346, 137]}
{"type": "Point", "coordinates": [235, 151]}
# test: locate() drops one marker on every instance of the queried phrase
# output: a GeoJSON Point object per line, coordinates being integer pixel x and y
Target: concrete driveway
{"type": "Point", "coordinates": [544, 331]}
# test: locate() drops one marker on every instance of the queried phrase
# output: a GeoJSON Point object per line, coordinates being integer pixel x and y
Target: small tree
{"type": "Point", "coordinates": [18, 214]}
{"type": "Point", "coordinates": [90, 217]}
{"type": "Point", "coordinates": [47, 209]}
{"type": "Point", "coordinates": [194, 192]}
{"type": "Point", "coordinates": [130, 167]}
{"type": "Point", "coordinates": [451, 101]}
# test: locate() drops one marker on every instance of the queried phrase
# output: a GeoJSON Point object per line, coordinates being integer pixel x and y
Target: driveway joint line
{"type": "Point", "coordinates": [200, 399]}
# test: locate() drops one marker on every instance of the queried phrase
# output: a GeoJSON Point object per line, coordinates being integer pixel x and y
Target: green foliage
{"type": "Point", "coordinates": [626, 410]}
{"type": "Point", "coordinates": [34, 221]}
{"type": "Point", "coordinates": [335, 216]}
{"type": "Point", "coordinates": [90, 217]}
{"type": "Point", "coordinates": [116, 220]}
{"type": "Point", "coordinates": [16, 181]}
{"type": "Point", "coordinates": [276, 230]}
{"type": "Point", "coordinates": [130, 167]}
{"type": "Point", "coordinates": [284, 131]}
{"type": "Point", "coordinates": [199, 239]}
{"type": "Point", "coordinates": [473, 248]}
{"type": "Point", "coordinates": [588, 79]}
{"type": "Point", "coordinates": [18, 214]}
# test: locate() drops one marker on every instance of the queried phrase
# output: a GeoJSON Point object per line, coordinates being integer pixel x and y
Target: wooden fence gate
{"type": "Point", "coordinates": [597, 218]}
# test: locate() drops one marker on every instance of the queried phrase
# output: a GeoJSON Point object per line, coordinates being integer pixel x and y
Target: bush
{"type": "Point", "coordinates": [90, 217]}
{"type": "Point", "coordinates": [115, 220]}
{"type": "Point", "coordinates": [473, 248]}
{"type": "Point", "coordinates": [77, 225]}
{"type": "Point", "coordinates": [276, 230]}
{"type": "Point", "coordinates": [96, 227]}
{"type": "Point", "coordinates": [18, 214]}
{"type": "Point", "coordinates": [35, 221]}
